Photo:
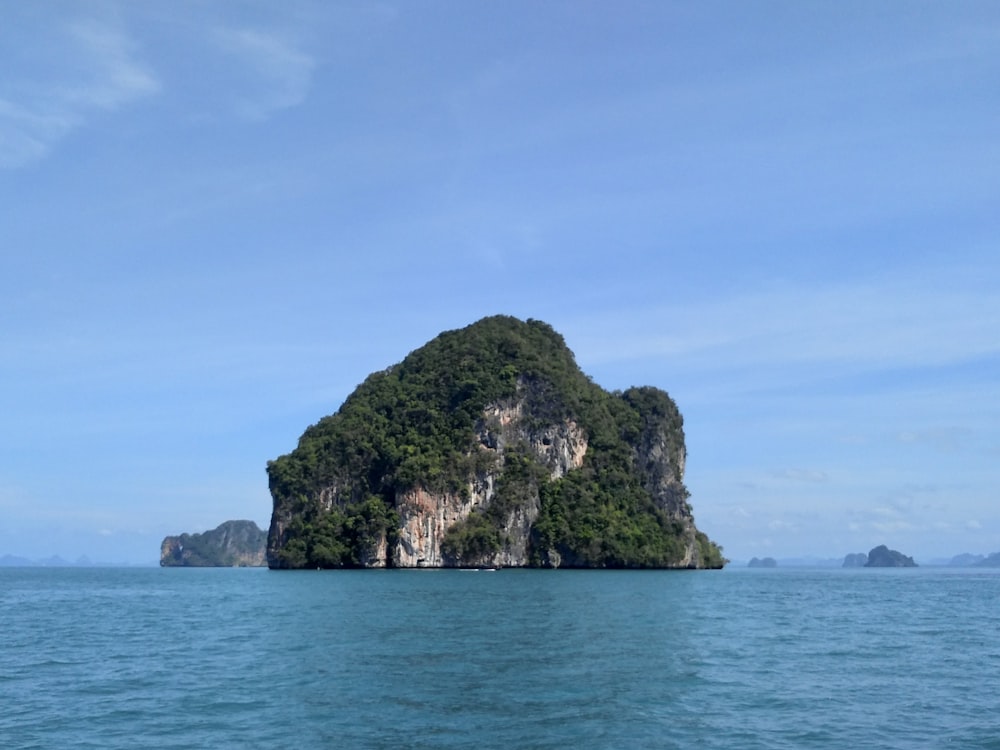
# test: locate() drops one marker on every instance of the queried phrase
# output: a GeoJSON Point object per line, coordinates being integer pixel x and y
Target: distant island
{"type": "Point", "coordinates": [231, 544]}
{"type": "Point", "coordinates": [855, 560]}
{"type": "Point", "coordinates": [489, 447]}
{"type": "Point", "coordinates": [767, 562]}
{"type": "Point", "coordinates": [991, 561]}
{"type": "Point", "coordinates": [55, 561]}
{"type": "Point", "coordinates": [966, 560]}
{"type": "Point", "coordinates": [883, 557]}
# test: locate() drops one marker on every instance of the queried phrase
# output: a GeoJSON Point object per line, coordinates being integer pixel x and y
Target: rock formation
{"type": "Point", "coordinates": [992, 560]}
{"type": "Point", "coordinates": [855, 560]}
{"type": "Point", "coordinates": [883, 557]}
{"type": "Point", "coordinates": [488, 447]}
{"type": "Point", "coordinates": [231, 544]}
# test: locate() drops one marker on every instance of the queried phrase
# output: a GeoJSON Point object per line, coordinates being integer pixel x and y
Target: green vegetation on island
{"type": "Point", "coordinates": [231, 544]}
{"type": "Point", "coordinates": [486, 419]}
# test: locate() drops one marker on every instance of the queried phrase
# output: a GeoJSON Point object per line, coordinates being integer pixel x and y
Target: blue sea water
{"type": "Point", "coordinates": [244, 658]}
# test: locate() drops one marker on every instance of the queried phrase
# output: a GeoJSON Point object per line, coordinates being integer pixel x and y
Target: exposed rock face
{"type": "Point", "coordinates": [232, 544]}
{"type": "Point", "coordinates": [855, 560]}
{"type": "Point", "coordinates": [352, 501]}
{"type": "Point", "coordinates": [425, 517]}
{"type": "Point", "coordinates": [883, 557]}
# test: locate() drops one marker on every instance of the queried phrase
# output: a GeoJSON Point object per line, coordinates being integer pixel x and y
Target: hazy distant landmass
{"type": "Point", "coordinates": [855, 560]}
{"type": "Point", "coordinates": [991, 561]}
{"type": "Point", "coordinates": [55, 561]}
{"type": "Point", "coordinates": [883, 557]}
{"type": "Point", "coordinates": [766, 562]}
{"type": "Point", "coordinates": [231, 544]}
{"type": "Point", "coordinates": [966, 560]}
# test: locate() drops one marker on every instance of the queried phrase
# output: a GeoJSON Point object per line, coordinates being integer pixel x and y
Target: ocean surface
{"type": "Point", "coordinates": [734, 659]}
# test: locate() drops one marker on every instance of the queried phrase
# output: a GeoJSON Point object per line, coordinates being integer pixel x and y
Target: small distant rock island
{"type": "Point", "coordinates": [990, 561]}
{"type": "Point", "coordinates": [232, 544]}
{"type": "Point", "coordinates": [855, 560]}
{"type": "Point", "coordinates": [489, 447]}
{"type": "Point", "coordinates": [883, 557]}
{"type": "Point", "coordinates": [766, 562]}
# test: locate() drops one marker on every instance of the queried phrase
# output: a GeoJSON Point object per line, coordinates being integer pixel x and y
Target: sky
{"type": "Point", "coordinates": [216, 219]}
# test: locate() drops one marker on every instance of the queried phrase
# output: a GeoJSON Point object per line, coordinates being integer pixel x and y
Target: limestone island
{"type": "Point", "coordinates": [488, 447]}
{"type": "Point", "coordinates": [232, 544]}
{"type": "Point", "coordinates": [855, 560]}
{"type": "Point", "coordinates": [883, 557]}
{"type": "Point", "coordinates": [763, 562]}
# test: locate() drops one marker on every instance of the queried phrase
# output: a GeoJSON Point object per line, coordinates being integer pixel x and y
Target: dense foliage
{"type": "Point", "coordinates": [413, 425]}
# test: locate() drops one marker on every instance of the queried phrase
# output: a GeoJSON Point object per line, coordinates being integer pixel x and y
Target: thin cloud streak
{"type": "Point", "coordinates": [851, 326]}
{"type": "Point", "coordinates": [100, 73]}
{"type": "Point", "coordinates": [281, 73]}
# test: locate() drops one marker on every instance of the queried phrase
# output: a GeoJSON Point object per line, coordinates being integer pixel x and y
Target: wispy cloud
{"type": "Point", "coordinates": [942, 439]}
{"type": "Point", "coordinates": [803, 475]}
{"type": "Point", "coordinates": [932, 318]}
{"type": "Point", "coordinates": [280, 72]}
{"type": "Point", "coordinates": [117, 77]}
{"type": "Point", "coordinates": [97, 70]}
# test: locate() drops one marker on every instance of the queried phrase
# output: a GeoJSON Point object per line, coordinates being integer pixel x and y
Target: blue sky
{"type": "Point", "coordinates": [217, 218]}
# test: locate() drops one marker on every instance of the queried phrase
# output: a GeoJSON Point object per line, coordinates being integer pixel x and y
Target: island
{"type": "Point", "coordinates": [992, 560]}
{"type": "Point", "coordinates": [966, 560]}
{"type": "Point", "coordinates": [883, 557]}
{"type": "Point", "coordinates": [231, 544]}
{"type": "Point", "coordinates": [855, 560]}
{"type": "Point", "coordinates": [489, 447]}
{"type": "Point", "coordinates": [766, 562]}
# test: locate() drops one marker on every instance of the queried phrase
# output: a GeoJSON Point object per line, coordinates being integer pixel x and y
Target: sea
{"type": "Point", "coordinates": [736, 659]}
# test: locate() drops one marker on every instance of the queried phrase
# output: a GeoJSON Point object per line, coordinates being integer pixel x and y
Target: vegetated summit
{"type": "Point", "coordinates": [488, 447]}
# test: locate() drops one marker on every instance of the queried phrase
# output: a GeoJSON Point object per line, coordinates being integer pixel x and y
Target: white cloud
{"type": "Point", "coordinates": [929, 317]}
{"type": "Point", "coordinates": [117, 77]}
{"type": "Point", "coordinates": [780, 525]}
{"type": "Point", "coordinates": [942, 439]}
{"type": "Point", "coordinates": [97, 70]}
{"type": "Point", "coordinates": [803, 475]}
{"type": "Point", "coordinates": [281, 73]}
{"type": "Point", "coordinates": [891, 527]}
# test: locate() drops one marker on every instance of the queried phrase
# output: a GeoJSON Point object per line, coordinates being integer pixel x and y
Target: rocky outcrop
{"type": "Point", "coordinates": [883, 557]}
{"type": "Point", "coordinates": [391, 481]}
{"type": "Point", "coordinates": [232, 544]}
{"type": "Point", "coordinates": [855, 560]}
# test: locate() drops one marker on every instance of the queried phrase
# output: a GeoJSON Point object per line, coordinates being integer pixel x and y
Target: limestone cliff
{"type": "Point", "coordinates": [425, 517]}
{"type": "Point", "coordinates": [488, 447]}
{"type": "Point", "coordinates": [231, 544]}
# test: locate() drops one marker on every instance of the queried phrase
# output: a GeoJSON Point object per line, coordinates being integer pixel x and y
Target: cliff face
{"type": "Point", "coordinates": [425, 516]}
{"type": "Point", "coordinates": [232, 544]}
{"type": "Point", "coordinates": [488, 448]}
